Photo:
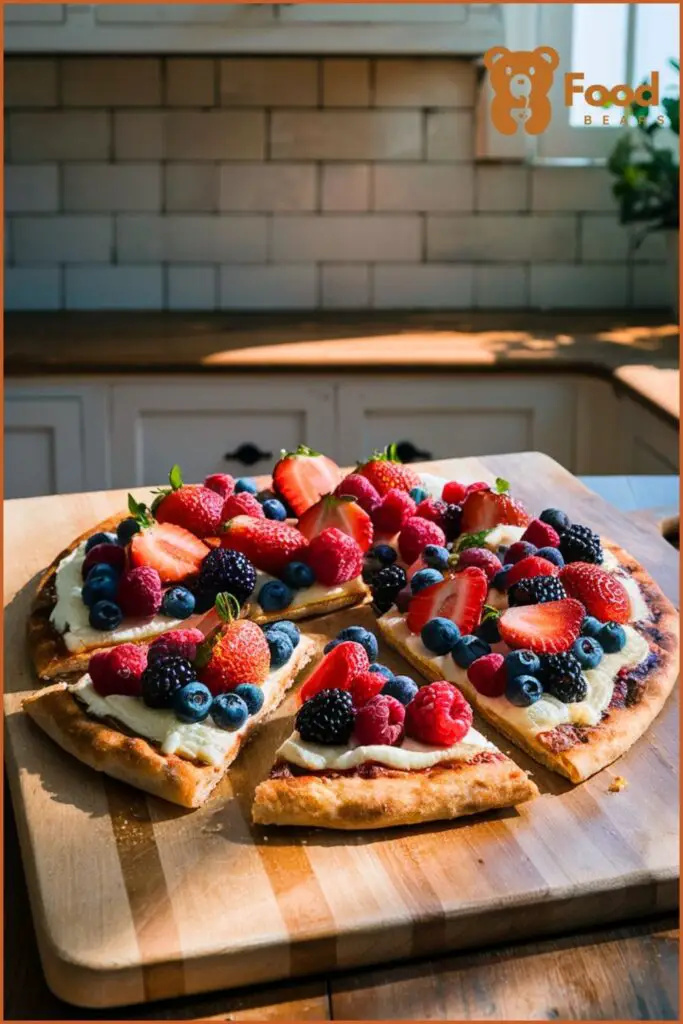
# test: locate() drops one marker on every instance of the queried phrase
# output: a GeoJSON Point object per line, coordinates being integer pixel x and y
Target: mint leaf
{"type": "Point", "coordinates": [502, 485]}
{"type": "Point", "coordinates": [471, 540]}
{"type": "Point", "coordinates": [175, 478]}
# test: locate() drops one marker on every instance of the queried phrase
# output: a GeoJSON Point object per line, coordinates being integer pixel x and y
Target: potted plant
{"type": "Point", "coordinates": [646, 171]}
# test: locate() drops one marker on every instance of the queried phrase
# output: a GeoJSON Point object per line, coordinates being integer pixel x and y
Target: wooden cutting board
{"type": "Point", "coordinates": [136, 900]}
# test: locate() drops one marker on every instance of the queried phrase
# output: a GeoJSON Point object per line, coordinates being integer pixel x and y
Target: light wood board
{"type": "Point", "coordinates": [136, 900]}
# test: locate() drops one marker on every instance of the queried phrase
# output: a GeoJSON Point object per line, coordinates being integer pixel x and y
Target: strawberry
{"type": "Point", "coordinates": [366, 686]}
{"type": "Point", "coordinates": [334, 557]}
{"type": "Point", "coordinates": [385, 470]}
{"type": "Point", "coordinates": [344, 513]}
{"type": "Point", "coordinates": [337, 670]}
{"type": "Point", "coordinates": [242, 504]}
{"type": "Point", "coordinates": [194, 507]}
{"type": "Point", "coordinates": [543, 535]}
{"type": "Point", "coordinates": [303, 477]}
{"type": "Point", "coordinates": [543, 628]}
{"type": "Point", "coordinates": [236, 653]}
{"type": "Point", "coordinates": [529, 567]}
{"type": "Point", "coordinates": [221, 483]}
{"type": "Point", "coordinates": [175, 553]}
{"type": "Point", "coordinates": [602, 593]}
{"type": "Point", "coordinates": [482, 510]}
{"type": "Point", "coordinates": [267, 543]}
{"type": "Point", "coordinates": [459, 598]}
{"type": "Point", "coordinates": [453, 492]}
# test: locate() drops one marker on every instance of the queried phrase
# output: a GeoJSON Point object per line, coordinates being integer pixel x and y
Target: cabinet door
{"type": "Point", "coordinates": [468, 416]}
{"type": "Point", "coordinates": [650, 443]}
{"type": "Point", "coordinates": [214, 428]}
{"type": "Point", "coordinates": [55, 440]}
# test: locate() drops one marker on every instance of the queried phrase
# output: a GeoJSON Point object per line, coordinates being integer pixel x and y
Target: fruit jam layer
{"type": "Point", "coordinates": [373, 770]}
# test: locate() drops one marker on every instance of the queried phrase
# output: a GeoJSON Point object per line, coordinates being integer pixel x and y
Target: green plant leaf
{"type": "Point", "coordinates": [490, 613]}
{"type": "Point", "coordinates": [471, 540]}
{"type": "Point", "coordinates": [175, 478]}
{"type": "Point", "coordinates": [227, 607]}
{"type": "Point", "coordinates": [139, 511]}
{"type": "Point", "coordinates": [502, 486]}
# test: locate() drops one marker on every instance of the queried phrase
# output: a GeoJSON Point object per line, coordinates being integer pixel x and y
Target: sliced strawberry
{"type": "Point", "coordinates": [303, 477]}
{"type": "Point", "coordinates": [175, 553]}
{"type": "Point", "coordinates": [344, 513]}
{"type": "Point", "coordinates": [268, 544]}
{"type": "Point", "coordinates": [337, 670]}
{"type": "Point", "coordinates": [544, 628]}
{"type": "Point", "coordinates": [601, 592]}
{"type": "Point", "coordinates": [482, 510]}
{"type": "Point", "coordinates": [459, 598]}
{"type": "Point", "coordinates": [529, 567]}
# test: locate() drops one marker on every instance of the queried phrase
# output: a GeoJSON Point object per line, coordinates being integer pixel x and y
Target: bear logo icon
{"type": "Point", "coordinates": [521, 81]}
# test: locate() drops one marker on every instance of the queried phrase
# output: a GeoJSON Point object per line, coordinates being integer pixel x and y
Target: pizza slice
{"type": "Point", "coordinates": [371, 750]}
{"type": "Point", "coordinates": [171, 717]}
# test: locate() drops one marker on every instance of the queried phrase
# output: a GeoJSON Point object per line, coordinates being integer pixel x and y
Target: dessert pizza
{"type": "Point", "coordinates": [372, 750]}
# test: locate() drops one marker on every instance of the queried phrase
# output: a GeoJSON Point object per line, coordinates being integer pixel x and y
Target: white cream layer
{"type": "Point", "coordinates": [308, 595]}
{"type": "Point", "coordinates": [409, 756]}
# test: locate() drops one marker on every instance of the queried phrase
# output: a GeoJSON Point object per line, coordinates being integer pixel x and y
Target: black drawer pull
{"type": "Point", "coordinates": [248, 454]}
{"type": "Point", "coordinates": [407, 452]}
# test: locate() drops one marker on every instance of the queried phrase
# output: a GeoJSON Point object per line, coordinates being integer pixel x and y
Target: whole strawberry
{"type": "Point", "coordinates": [221, 483]}
{"type": "Point", "coordinates": [237, 653]}
{"type": "Point", "coordinates": [438, 715]}
{"type": "Point", "coordinates": [356, 486]}
{"type": "Point", "coordinates": [394, 509]}
{"type": "Point", "coordinates": [334, 557]}
{"type": "Point", "coordinates": [194, 507]}
{"type": "Point", "coordinates": [268, 544]}
{"type": "Point", "coordinates": [242, 504]}
{"type": "Point", "coordinates": [139, 592]}
{"type": "Point", "coordinates": [385, 470]}
{"type": "Point", "coordinates": [118, 670]}
{"type": "Point", "coordinates": [415, 535]}
{"type": "Point", "coordinates": [177, 643]}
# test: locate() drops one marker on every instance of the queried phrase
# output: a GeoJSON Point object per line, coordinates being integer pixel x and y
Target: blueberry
{"type": "Point", "coordinates": [435, 557]}
{"type": "Point", "coordinates": [553, 555]}
{"type": "Point", "coordinates": [591, 626]}
{"type": "Point", "coordinates": [105, 615]}
{"type": "Point", "coordinates": [522, 663]}
{"type": "Point", "coordinates": [425, 578]}
{"type": "Point", "coordinates": [229, 711]}
{"type": "Point", "coordinates": [440, 635]}
{"type": "Point", "coordinates": [126, 529]}
{"type": "Point", "coordinates": [274, 509]}
{"type": "Point", "coordinates": [99, 587]}
{"type": "Point", "coordinates": [362, 636]}
{"type": "Point", "coordinates": [382, 669]}
{"type": "Point", "coordinates": [554, 517]}
{"type": "Point", "coordinates": [418, 494]}
{"type": "Point", "coordinates": [251, 695]}
{"type": "Point", "coordinates": [281, 648]}
{"type": "Point", "coordinates": [178, 603]}
{"type": "Point", "coordinates": [523, 690]}
{"type": "Point", "coordinates": [468, 649]}
{"type": "Point", "coordinates": [588, 652]}
{"type": "Point", "coordinates": [274, 596]}
{"type": "Point", "coordinates": [330, 646]}
{"type": "Point", "coordinates": [401, 687]}
{"type": "Point", "coordinates": [192, 703]}
{"type": "Point", "coordinates": [290, 629]}
{"type": "Point", "coordinates": [488, 629]}
{"type": "Point", "coordinates": [103, 569]}
{"type": "Point", "coordinates": [100, 538]}
{"type": "Point", "coordinates": [245, 483]}
{"type": "Point", "coordinates": [298, 575]}
{"type": "Point", "coordinates": [499, 581]}
{"type": "Point", "coordinates": [612, 637]}
{"type": "Point", "coordinates": [384, 554]}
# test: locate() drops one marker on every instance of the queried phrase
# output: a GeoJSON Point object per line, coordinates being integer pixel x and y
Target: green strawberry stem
{"type": "Point", "coordinates": [228, 607]}
{"type": "Point", "coordinates": [470, 540]}
{"type": "Point", "coordinates": [303, 449]}
{"type": "Point", "coordinates": [175, 479]}
{"type": "Point", "coordinates": [490, 613]}
{"type": "Point", "coordinates": [502, 486]}
{"type": "Point", "coordinates": [139, 512]}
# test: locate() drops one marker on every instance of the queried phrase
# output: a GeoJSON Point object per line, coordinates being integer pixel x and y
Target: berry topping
{"type": "Point", "coordinates": [415, 535]}
{"type": "Point", "coordinates": [382, 669]}
{"type": "Point", "coordinates": [425, 578]}
{"type": "Point", "coordinates": [105, 615]}
{"type": "Point", "coordinates": [387, 585]}
{"type": "Point", "coordinates": [587, 652]}
{"type": "Point", "coordinates": [298, 576]}
{"type": "Point", "coordinates": [174, 552]}
{"type": "Point", "coordinates": [482, 558]}
{"type": "Point", "coordinates": [519, 550]}
{"type": "Point", "coordinates": [280, 647]}
{"type": "Point", "coordinates": [139, 592]}
{"type": "Point", "coordinates": [362, 636]}
{"type": "Point", "coordinates": [251, 695]}
{"type": "Point", "coordinates": [500, 580]}
{"type": "Point", "coordinates": [418, 494]}
{"type": "Point", "coordinates": [231, 571]}
{"type": "Point", "coordinates": [523, 691]}
{"type": "Point", "coordinates": [328, 717]}
{"type": "Point", "coordinates": [337, 669]}
{"type": "Point", "coordinates": [403, 688]}
{"type": "Point", "coordinates": [383, 554]}
{"type": "Point", "coordinates": [394, 509]}
{"type": "Point", "coordinates": [479, 485]}
{"type": "Point", "coordinates": [438, 715]}
{"type": "Point", "coordinates": [274, 509]}
{"type": "Point", "coordinates": [178, 603]}
{"type": "Point", "coordinates": [267, 544]}
{"type": "Point", "coordinates": [242, 504]}
{"type": "Point", "coordinates": [580, 544]}
{"type": "Point", "coordinates": [440, 635]}
{"type": "Point", "coordinates": [126, 529]}
{"type": "Point", "coordinates": [182, 643]}
{"type": "Point", "coordinates": [468, 649]}
{"type": "Point", "coordinates": [163, 677]}
{"type": "Point", "coordinates": [237, 653]}
{"type": "Point", "coordinates": [488, 675]}
{"type": "Point", "coordinates": [601, 593]}
{"type": "Point", "coordinates": [344, 514]}
{"type": "Point", "coordinates": [435, 557]}
{"type": "Point", "coordinates": [100, 538]}
{"type": "Point", "coordinates": [366, 686]}
{"type": "Point", "coordinates": [543, 535]}
{"type": "Point", "coordinates": [275, 596]}
{"type": "Point", "coordinates": [118, 670]}
{"type": "Point", "coordinates": [553, 555]}
{"type": "Point", "coordinates": [229, 711]}
{"type": "Point", "coordinates": [536, 590]}
{"type": "Point", "coordinates": [245, 485]}
{"type": "Point", "coordinates": [482, 510]}
{"type": "Point", "coordinates": [380, 720]}
{"type": "Point", "coordinates": [522, 663]}
{"type": "Point", "coordinates": [194, 507]}
{"type": "Point", "coordinates": [101, 585]}
{"type": "Point", "coordinates": [290, 629]}
{"type": "Point", "coordinates": [221, 483]}
{"type": "Point", "coordinates": [591, 626]}
{"type": "Point", "coordinates": [356, 486]}
{"type": "Point", "coordinates": [529, 567]}
{"type": "Point", "coordinates": [192, 702]}
{"type": "Point", "coordinates": [488, 627]}
{"type": "Point", "coordinates": [543, 628]}
{"type": "Point", "coordinates": [303, 477]}
{"type": "Point", "coordinates": [385, 471]}
{"type": "Point", "coordinates": [334, 557]}
{"type": "Point", "coordinates": [459, 598]}
{"type": "Point", "coordinates": [452, 521]}
{"type": "Point", "coordinates": [454, 492]}
{"type": "Point", "coordinates": [612, 638]}
{"type": "Point", "coordinates": [554, 517]}
{"type": "Point", "coordinates": [109, 554]}
{"type": "Point", "coordinates": [563, 678]}
{"type": "Point", "coordinates": [433, 510]}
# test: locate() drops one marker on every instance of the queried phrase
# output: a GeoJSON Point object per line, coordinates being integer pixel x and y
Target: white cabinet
{"type": "Point", "coordinates": [650, 444]}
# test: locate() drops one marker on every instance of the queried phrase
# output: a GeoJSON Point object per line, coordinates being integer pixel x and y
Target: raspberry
{"type": "Point", "coordinates": [118, 670]}
{"type": "Point", "coordinates": [488, 675]}
{"type": "Point", "coordinates": [221, 483]}
{"type": "Point", "coordinates": [356, 486]}
{"type": "Point", "coordinates": [334, 557]}
{"type": "Point", "coordinates": [394, 509]}
{"type": "Point", "coordinates": [381, 720]}
{"type": "Point", "coordinates": [181, 643]}
{"type": "Point", "coordinates": [432, 510]}
{"type": "Point", "coordinates": [453, 492]}
{"type": "Point", "coordinates": [543, 535]}
{"type": "Point", "coordinates": [519, 550]}
{"type": "Point", "coordinates": [416, 534]}
{"type": "Point", "coordinates": [139, 592]}
{"type": "Point", "coordinates": [242, 504]}
{"type": "Point", "coordinates": [482, 558]}
{"type": "Point", "coordinates": [438, 715]}
{"type": "Point", "coordinates": [366, 686]}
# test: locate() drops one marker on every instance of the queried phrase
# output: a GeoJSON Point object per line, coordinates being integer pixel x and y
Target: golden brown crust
{"type": "Point", "coordinates": [355, 592]}
{"type": "Point", "coordinates": [394, 798]}
{"type": "Point", "coordinates": [135, 760]}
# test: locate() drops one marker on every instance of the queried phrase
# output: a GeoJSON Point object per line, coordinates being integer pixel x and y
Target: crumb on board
{"type": "Point", "coordinates": [617, 784]}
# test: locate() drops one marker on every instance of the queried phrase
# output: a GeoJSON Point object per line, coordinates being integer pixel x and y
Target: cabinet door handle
{"type": "Point", "coordinates": [407, 452]}
{"type": "Point", "coordinates": [248, 454]}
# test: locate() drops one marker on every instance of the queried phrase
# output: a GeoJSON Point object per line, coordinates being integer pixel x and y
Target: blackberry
{"type": "Point", "coordinates": [451, 520]}
{"type": "Point", "coordinates": [386, 585]}
{"type": "Point", "coordinates": [580, 544]}
{"type": "Point", "coordinates": [223, 570]}
{"type": "Point", "coordinates": [327, 718]}
{"type": "Point", "coordinates": [536, 590]}
{"type": "Point", "coordinates": [162, 679]}
{"type": "Point", "coordinates": [562, 677]}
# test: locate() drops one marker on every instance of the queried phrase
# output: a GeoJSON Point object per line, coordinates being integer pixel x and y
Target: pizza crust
{"type": "Point", "coordinates": [135, 760]}
{"type": "Point", "coordinates": [394, 798]}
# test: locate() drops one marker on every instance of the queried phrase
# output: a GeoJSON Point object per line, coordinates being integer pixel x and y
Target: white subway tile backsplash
{"type": "Point", "coordinates": [450, 134]}
{"type": "Point", "coordinates": [652, 286]}
{"type": "Point", "coordinates": [113, 287]}
{"type": "Point", "coordinates": [501, 287]}
{"type": "Point", "coordinates": [504, 238]}
{"type": "Point", "coordinates": [139, 134]}
{"type": "Point", "coordinates": [502, 188]}
{"type": "Point", "coordinates": [30, 82]}
{"type": "Point", "coordinates": [190, 82]}
{"type": "Point", "coordinates": [345, 286]}
{"type": "Point", "coordinates": [575, 287]}
{"type": "Point", "coordinates": [111, 82]}
{"type": "Point", "coordinates": [215, 135]}
{"type": "Point", "coordinates": [31, 188]}
{"type": "Point", "coordinates": [346, 135]}
{"type": "Point", "coordinates": [59, 135]}
{"type": "Point", "coordinates": [418, 82]}
{"type": "Point", "coordinates": [32, 288]}
{"type": "Point", "coordinates": [269, 82]}
{"type": "Point", "coordinates": [304, 239]}
{"type": "Point", "coordinates": [573, 189]}
{"type": "Point", "coordinates": [346, 82]}
{"type": "Point", "coordinates": [255, 188]}
{"type": "Point", "coordinates": [191, 188]}
{"type": "Point", "coordinates": [426, 188]}
{"type": "Point", "coordinates": [192, 287]}
{"type": "Point", "coordinates": [604, 239]}
{"type": "Point", "coordinates": [254, 288]}
{"type": "Point", "coordinates": [112, 187]}
{"type": "Point", "coordinates": [56, 239]}
{"type": "Point", "coordinates": [346, 187]}
{"type": "Point", "coordinates": [423, 287]}
{"type": "Point", "coordinates": [184, 238]}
